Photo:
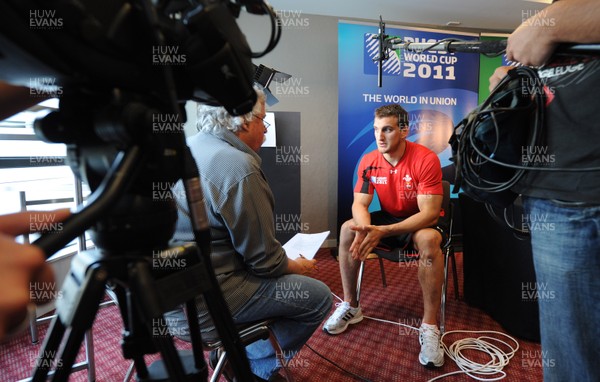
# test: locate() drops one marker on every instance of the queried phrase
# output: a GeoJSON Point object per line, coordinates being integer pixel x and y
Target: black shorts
{"type": "Point", "coordinates": [403, 241]}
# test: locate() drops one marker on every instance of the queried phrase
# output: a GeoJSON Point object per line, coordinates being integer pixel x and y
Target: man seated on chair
{"type": "Point", "coordinates": [408, 180]}
{"type": "Point", "coordinates": [250, 264]}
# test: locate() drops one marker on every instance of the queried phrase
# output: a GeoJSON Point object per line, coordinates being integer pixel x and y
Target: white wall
{"type": "Point", "coordinates": [308, 51]}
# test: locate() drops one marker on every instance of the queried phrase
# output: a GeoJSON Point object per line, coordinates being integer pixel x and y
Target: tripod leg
{"type": "Point", "coordinates": [134, 336]}
{"type": "Point", "coordinates": [71, 348]}
{"type": "Point", "coordinates": [48, 351]}
{"type": "Point", "coordinates": [144, 288]}
{"type": "Point", "coordinates": [192, 314]}
{"type": "Point", "coordinates": [76, 310]}
{"type": "Point", "coordinates": [81, 319]}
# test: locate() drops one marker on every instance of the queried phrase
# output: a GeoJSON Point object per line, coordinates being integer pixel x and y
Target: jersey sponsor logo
{"type": "Point", "coordinates": [379, 180]}
{"type": "Point", "coordinates": [560, 70]}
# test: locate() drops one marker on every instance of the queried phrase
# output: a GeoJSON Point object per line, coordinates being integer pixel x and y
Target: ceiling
{"type": "Point", "coordinates": [482, 15]}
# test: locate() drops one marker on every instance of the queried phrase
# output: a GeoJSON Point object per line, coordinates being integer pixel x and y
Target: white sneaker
{"type": "Point", "coordinates": [343, 316]}
{"type": "Point", "coordinates": [432, 353]}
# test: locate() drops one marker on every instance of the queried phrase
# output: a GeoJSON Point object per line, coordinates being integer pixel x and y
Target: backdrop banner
{"type": "Point", "coordinates": [437, 89]}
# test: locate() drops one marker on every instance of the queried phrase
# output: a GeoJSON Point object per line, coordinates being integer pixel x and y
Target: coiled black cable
{"type": "Point", "coordinates": [487, 145]}
{"type": "Point", "coordinates": [275, 31]}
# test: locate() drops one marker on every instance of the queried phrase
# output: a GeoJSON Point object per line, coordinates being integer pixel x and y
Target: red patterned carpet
{"type": "Point", "coordinates": [376, 351]}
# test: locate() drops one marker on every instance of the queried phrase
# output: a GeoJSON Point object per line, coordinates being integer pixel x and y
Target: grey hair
{"type": "Point", "coordinates": [215, 118]}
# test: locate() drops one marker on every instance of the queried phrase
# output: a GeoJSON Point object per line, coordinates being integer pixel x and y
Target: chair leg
{"type": "Point", "coordinates": [219, 366]}
{"type": "Point", "coordinates": [359, 281]}
{"type": "Point", "coordinates": [454, 274]}
{"type": "Point", "coordinates": [361, 271]}
{"type": "Point", "coordinates": [383, 280]}
{"type": "Point", "coordinates": [89, 355]}
{"type": "Point", "coordinates": [444, 288]}
{"type": "Point", "coordinates": [443, 311]}
{"type": "Point", "coordinates": [33, 329]}
{"type": "Point", "coordinates": [129, 372]}
{"type": "Point", "coordinates": [280, 355]}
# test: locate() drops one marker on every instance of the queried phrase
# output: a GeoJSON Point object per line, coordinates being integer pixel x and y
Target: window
{"type": "Point", "coordinates": [33, 174]}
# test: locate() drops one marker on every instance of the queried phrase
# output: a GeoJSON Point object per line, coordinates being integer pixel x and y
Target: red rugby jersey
{"type": "Point", "coordinates": [419, 172]}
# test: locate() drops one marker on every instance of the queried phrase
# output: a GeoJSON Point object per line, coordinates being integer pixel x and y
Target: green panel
{"type": "Point", "coordinates": [487, 65]}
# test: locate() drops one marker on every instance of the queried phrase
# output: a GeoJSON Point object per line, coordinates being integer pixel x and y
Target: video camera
{"type": "Point", "coordinates": [122, 64]}
{"type": "Point", "coordinates": [101, 45]}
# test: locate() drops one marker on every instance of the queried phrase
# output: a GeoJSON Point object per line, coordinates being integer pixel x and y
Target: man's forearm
{"type": "Point", "coordinates": [572, 21]}
{"type": "Point", "coordinates": [361, 215]}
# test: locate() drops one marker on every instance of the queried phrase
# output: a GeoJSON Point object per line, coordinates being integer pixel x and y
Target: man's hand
{"type": "Point", "coordinates": [367, 237]}
{"type": "Point", "coordinates": [498, 75]}
{"type": "Point", "coordinates": [21, 266]}
{"type": "Point", "coordinates": [529, 44]}
{"type": "Point", "coordinates": [302, 266]}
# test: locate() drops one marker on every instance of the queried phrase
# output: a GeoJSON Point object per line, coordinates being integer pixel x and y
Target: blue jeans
{"type": "Point", "coordinates": [300, 302]}
{"type": "Point", "coordinates": [565, 242]}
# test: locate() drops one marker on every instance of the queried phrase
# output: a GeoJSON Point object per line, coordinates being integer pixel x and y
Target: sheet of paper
{"type": "Point", "coordinates": [305, 244]}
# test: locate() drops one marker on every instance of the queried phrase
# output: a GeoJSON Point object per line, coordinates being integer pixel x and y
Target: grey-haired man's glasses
{"type": "Point", "coordinates": [267, 124]}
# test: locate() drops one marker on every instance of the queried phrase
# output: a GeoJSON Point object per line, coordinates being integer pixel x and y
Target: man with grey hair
{"type": "Point", "coordinates": [250, 264]}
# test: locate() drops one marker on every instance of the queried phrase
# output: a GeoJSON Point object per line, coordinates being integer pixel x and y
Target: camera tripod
{"type": "Point", "coordinates": [119, 212]}
{"type": "Point", "coordinates": [117, 66]}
